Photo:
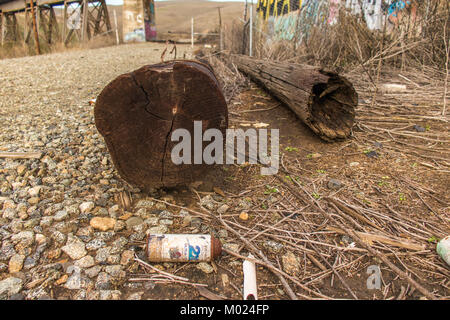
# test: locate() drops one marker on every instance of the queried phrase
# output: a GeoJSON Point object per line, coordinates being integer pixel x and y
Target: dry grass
{"type": "Point", "coordinates": [350, 44]}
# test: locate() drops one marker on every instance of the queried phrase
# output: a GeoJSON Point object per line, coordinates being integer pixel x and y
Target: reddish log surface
{"type": "Point", "coordinates": [137, 112]}
{"type": "Point", "coordinates": [323, 100]}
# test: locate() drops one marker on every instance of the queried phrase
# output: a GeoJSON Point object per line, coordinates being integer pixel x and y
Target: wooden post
{"type": "Point", "coordinates": [116, 27]}
{"type": "Point", "coordinates": [245, 10]}
{"type": "Point", "coordinates": [250, 50]}
{"type": "Point", "coordinates": [85, 21]}
{"type": "Point", "coordinates": [25, 25]}
{"type": "Point", "coordinates": [3, 28]}
{"type": "Point", "coordinates": [220, 31]}
{"type": "Point", "coordinates": [2, 21]}
{"type": "Point", "coordinates": [35, 30]}
{"type": "Point", "coordinates": [192, 32]}
{"type": "Point", "coordinates": [64, 26]}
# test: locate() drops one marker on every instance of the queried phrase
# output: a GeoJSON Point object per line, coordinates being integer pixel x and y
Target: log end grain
{"type": "Point", "coordinates": [137, 113]}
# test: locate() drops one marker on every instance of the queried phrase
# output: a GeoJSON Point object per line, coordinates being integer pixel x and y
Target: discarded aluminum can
{"type": "Point", "coordinates": [182, 247]}
{"type": "Point", "coordinates": [443, 249]}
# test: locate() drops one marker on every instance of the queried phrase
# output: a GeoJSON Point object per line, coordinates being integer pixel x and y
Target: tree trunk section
{"type": "Point", "coordinates": [323, 100]}
{"type": "Point", "coordinates": [137, 112]}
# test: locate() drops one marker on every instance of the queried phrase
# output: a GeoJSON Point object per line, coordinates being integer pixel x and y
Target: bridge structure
{"type": "Point", "coordinates": [81, 18]}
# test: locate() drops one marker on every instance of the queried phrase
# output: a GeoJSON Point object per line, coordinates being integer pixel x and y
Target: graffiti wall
{"type": "Point", "coordinates": [287, 19]}
{"type": "Point", "coordinates": [138, 20]}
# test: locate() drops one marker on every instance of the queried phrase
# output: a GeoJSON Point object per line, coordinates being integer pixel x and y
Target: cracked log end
{"type": "Point", "coordinates": [137, 112]}
{"type": "Point", "coordinates": [332, 107]}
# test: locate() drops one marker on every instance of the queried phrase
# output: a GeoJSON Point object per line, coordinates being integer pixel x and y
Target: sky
{"type": "Point", "coordinates": [120, 2]}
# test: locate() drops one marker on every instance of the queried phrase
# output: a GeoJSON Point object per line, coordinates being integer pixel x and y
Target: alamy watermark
{"type": "Point", "coordinates": [374, 279]}
{"type": "Point", "coordinates": [213, 152]}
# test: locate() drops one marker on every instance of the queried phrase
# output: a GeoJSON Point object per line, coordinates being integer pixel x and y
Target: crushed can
{"type": "Point", "coordinates": [443, 249]}
{"type": "Point", "coordinates": [182, 247]}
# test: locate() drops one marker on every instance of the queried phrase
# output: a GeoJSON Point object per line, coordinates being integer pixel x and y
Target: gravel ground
{"type": "Point", "coordinates": [47, 228]}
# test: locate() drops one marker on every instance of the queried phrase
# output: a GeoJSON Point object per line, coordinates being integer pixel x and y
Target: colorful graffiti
{"type": "Point", "coordinates": [289, 19]}
{"type": "Point", "coordinates": [138, 20]}
{"type": "Point", "coordinates": [149, 20]}
{"type": "Point", "coordinates": [275, 8]}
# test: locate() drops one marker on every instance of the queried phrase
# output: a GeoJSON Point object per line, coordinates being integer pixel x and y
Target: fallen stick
{"type": "Point", "coordinates": [352, 212]}
{"type": "Point", "coordinates": [352, 234]}
{"type": "Point", "coordinates": [369, 238]}
{"type": "Point", "coordinates": [21, 155]}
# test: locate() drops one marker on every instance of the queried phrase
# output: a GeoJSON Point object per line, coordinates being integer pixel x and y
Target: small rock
{"type": "Point", "coordinates": [61, 215]}
{"type": "Point", "coordinates": [127, 257]}
{"type": "Point", "coordinates": [92, 272]}
{"type": "Point", "coordinates": [120, 225]}
{"type": "Point", "coordinates": [372, 154]}
{"type": "Point", "coordinates": [419, 128]}
{"type": "Point", "coordinates": [222, 233]}
{"type": "Point", "coordinates": [10, 286]}
{"type": "Point", "coordinates": [231, 246]}
{"type": "Point", "coordinates": [290, 263]}
{"type": "Point", "coordinates": [161, 229]}
{"type": "Point", "coordinates": [33, 201]}
{"type": "Point", "coordinates": [243, 216]}
{"type": "Point", "coordinates": [85, 262]}
{"type": "Point", "coordinates": [103, 281]}
{"type": "Point", "coordinates": [334, 184]}
{"type": "Point", "coordinates": [135, 296]}
{"type": "Point", "coordinates": [86, 207]}
{"type": "Point", "coordinates": [186, 221]}
{"type": "Point", "coordinates": [354, 164]}
{"type": "Point", "coordinates": [273, 246]}
{"type": "Point", "coordinates": [222, 209]}
{"type": "Point", "coordinates": [165, 214]}
{"type": "Point", "coordinates": [102, 254]}
{"type": "Point", "coordinates": [95, 244]}
{"type": "Point", "coordinates": [102, 223]}
{"type": "Point", "coordinates": [225, 280]}
{"type": "Point", "coordinates": [16, 263]}
{"type": "Point", "coordinates": [75, 250]}
{"type": "Point", "coordinates": [114, 270]}
{"type": "Point", "coordinates": [134, 221]}
{"type": "Point", "coordinates": [167, 222]}
{"type": "Point", "coordinates": [34, 192]}
{"type": "Point", "coordinates": [205, 267]}
{"type": "Point", "coordinates": [110, 294]}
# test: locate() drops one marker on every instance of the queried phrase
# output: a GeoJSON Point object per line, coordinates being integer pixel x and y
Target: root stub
{"type": "Point", "coordinates": [137, 112]}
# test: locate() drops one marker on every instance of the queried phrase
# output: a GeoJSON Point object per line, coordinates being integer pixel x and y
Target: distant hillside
{"type": "Point", "coordinates": [175, 16]}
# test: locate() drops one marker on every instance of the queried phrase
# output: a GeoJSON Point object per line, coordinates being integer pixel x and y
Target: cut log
{"type": "Point", "coordinates": [323, 100]}
{"type": "Point", "coordinates": [137, 112]}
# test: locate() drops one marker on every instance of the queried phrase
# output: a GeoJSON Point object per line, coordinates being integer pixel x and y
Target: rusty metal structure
{"type": "Point", "coordinates": [93, 16]}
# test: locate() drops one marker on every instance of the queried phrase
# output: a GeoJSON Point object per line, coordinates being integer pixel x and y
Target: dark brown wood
{"type": "Point", "coordinates": [137, 112]}
{"type": "Point", "coordinates": [323, 100]}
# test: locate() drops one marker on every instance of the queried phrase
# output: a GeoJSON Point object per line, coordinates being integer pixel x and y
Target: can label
{"type": "Point", "coordinates": [179, 248]}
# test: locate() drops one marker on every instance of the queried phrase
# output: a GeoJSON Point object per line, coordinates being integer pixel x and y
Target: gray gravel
{"type": "Point", "coordinates": [46, 204]}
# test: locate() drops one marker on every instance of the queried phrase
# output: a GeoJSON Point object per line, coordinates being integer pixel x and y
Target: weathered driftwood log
{"type": "Point", "coordinates": [137, 112]}
{"type": "Point", "coordinates": [323, 100]}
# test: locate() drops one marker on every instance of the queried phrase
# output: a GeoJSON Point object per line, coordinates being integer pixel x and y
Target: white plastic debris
{"type": "Point", "coordinates": [250, 288]}
{"type": "Point", "coordinates": [443, 249]}
{"type": "Point", "coordinates": [393, 87]}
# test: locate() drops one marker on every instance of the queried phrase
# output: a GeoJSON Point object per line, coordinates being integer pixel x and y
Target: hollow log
{"type": "Point", "coordinates": [137, 112]}
{"type": "Point", "coordinates": [323, 100]}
